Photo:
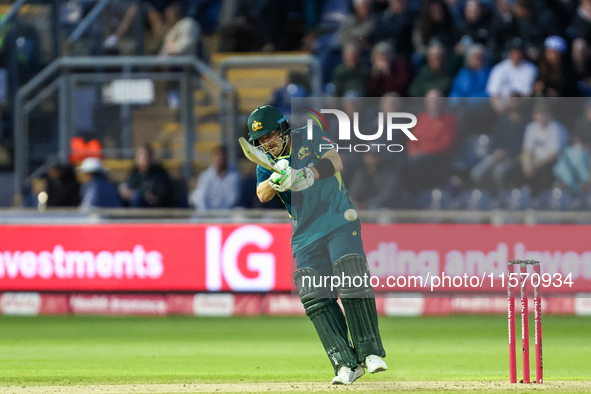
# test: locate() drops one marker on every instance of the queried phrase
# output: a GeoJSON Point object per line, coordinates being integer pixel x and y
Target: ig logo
{"type": "Point", "coordinates": [222, 259]}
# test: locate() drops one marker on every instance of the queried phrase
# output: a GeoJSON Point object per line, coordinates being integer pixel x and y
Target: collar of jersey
{"type": "Point", "coordinates": [284, 157]}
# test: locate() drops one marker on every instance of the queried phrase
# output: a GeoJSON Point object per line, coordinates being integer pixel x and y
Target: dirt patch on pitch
{"type": "Point", "coordinates": [360, 387]}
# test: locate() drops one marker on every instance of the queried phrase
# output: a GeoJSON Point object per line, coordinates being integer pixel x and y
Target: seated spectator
{"type": "Point", "coordinates": [435, 23]}
{"type": "Point", "coordinates": [582, 127]}
{"type": "Point", "coordinates": [255, 25]}
{"type": "Point", "coordinates": [478, 22]}
{"type": "Point", "coordinates": [183, 35]}
{"type": "Point", "coordinates": [511, 77]}
{"type": "Point", "coordinates": [374, 185]}
{"type": "Point", "coordinates": [394, 25]}
{"type": "Point", "coordinates": [573, 166]}
{"type": "Point", "coordinates": [154, 10]}
{"type": "Point", "coordinates": [581, 60]}
{"type": "Point", "coordinates": [96, 191]}
{"type": "Point", "coordinates": [387, 73]}
{"type": "Point", "coordinates": [456, 9]}
{"type": "Point", "coordinates": [428, 161]}
{"type": "Point", "coordinates": [148, 184]}
{"type": "Point", "coordinates": [507, 138]}
{"type": "Point", "coordinates": [248, 185]}
{"type": "Point", "coordinates": [358, 26]}
{"type": "Point", "coordinates": [503, 28]}
{"type": "Point", "coordinates": [116, 19]}
{"type": "Point", "coordinates": [535, 23]}
{"type": "Point", "coordinates": [237, 27]}
{"type": "Point", "coordinates": [351, 74]}
{"type": "Point", "coordinates": [471, 81]}
{"type": "Point", "coordinates": [432, 75]}
{"type": "Point", "coordinates": [543, 141]}
{"type": "Point", "coordinates": [63, 190]}
{"type": "Point", "coordinates": [557, 77]}
{"type": "Point", "coordinates": [580, 26]}
{"type": "Point", "coordinates": [297, 86]}
{"type": "Point", "coordinates": [218, 187]}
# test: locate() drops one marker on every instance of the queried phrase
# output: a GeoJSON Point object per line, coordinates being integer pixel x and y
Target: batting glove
{"type": "Point", "coordinates": [302, 179]}
{"type": "Point", "coordinates": [290, 179]}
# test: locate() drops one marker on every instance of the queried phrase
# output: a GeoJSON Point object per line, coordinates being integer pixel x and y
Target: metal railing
{"type": "Point", "coordinates": [59, 77]}
{"type": "Point", "coordinates": [12, 12]}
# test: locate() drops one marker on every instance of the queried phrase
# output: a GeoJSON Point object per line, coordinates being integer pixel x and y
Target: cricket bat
{"type": "Point", "coordinates": [256, 156]}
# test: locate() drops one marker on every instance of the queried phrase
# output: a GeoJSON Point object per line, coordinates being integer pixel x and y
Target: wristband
{"type": "Point", "coordinates": [325, 168]}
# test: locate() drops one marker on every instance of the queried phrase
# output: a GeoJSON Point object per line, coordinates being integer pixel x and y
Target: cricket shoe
{"type": "Point", "coordinates": [347, 375]}
{"type": "Point", "coordinates": [375, 364]}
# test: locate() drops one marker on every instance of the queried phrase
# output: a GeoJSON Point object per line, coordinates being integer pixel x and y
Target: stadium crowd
{"type": "Point", "coordinates": [493, 143]}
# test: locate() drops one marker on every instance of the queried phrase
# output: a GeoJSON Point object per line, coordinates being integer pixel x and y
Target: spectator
{"type": "Point", "coordinates": [297, 86]}
{"type": "Point", "coordinates": [255, 25]}
{"type": "Point", "coordinates": [358, 26]}
{"type": "Point", "coordinates": [432, 75]}
{"type": "Point", "coordinates": [507, 138]}
{"type": "Point", "coordinates": [580, 26]}
{"type": "Point", "coordinates": [557, 77]}
{"type": "Point", "coordinates": [96, 191]}
{"type": "Point", "coordinates": [148, 185]}
{"type": "Point", "coordinates": [564, 11]}
{"type": "Point", "coordinates": [544, 139]}
{"type": "Point", "coordinates": [374, 185]}
{"type": "Point", "coordinates": [183, 34]}
{"type": "Point", "coordinates": [503, 29]}
{"type": "Point", "coordinates": [387, 73]}
{"type": "Point", "coordinates": [471, 81]}
{"type": "Point", "coordinates": [435, 23]}
{"type": "Point", "coordinates": [63, 190]}
{"type": "Point", "coordinates": [351, 74]}
{"type": "Point", "coordinates": [456, 9]}
{"type": "Point", "coordinates": [582, 127]}
{"type": "Point", "coordinates": [535, 23]}
{"type": "Point", "coordinates": [116, 20]}
{"type": "Point", "coordinates": [154, 10]}
{"type": "Point", "coordinates": [237, 27]}
{"type": "Point", "coordinates": [573, 166]}
{"type": "Point", "coordinates": [513, 76]}
{"type": "Point", "coordinates": [429, 156]}
{"type": "Point", "coordinates": [218, 187]}
{"type": "Point", "coordinates": [395, 25]}
{"type": "Point", "coordinates": [581, 58]}
{"type": "Point", "coordinates": [478, 22]}
{"type": "Point", "coordinates": [392, 102]}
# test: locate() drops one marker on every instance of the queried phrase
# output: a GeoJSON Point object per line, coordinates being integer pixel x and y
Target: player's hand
{"type": "Point", "coordinates": [290, 179]}
{"type": "Point", "coordinates": [302, 179]}
{"type": "Point", "coordinates": [277, 186]}
{"type": "Point", "coordinates": [280, 180]}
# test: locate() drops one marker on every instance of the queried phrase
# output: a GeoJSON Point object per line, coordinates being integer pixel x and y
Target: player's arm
{"type": "Point", "coordinates": [330, 164]}
{"type": "Point", "coordinates": [265, 192]}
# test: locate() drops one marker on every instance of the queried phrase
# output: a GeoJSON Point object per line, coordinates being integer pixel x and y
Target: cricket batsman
{"type": "Point", "coordinates": [324, 242]}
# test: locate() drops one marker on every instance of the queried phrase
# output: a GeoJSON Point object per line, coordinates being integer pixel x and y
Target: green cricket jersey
{"type": "Point", "coordinates": [319, 209]}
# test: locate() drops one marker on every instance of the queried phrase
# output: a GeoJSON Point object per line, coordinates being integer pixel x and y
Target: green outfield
{"type": "Point", "coordinates": [77, 350]}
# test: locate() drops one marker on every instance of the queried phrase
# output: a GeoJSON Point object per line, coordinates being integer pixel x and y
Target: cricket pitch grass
{"type": "Point", "coordinates": [459, 354]}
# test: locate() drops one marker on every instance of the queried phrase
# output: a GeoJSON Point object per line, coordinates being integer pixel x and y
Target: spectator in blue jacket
{"type": "Point", "coordinates": [97, 191]}
{"type": "Point", "coordinates": [471, 81]}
